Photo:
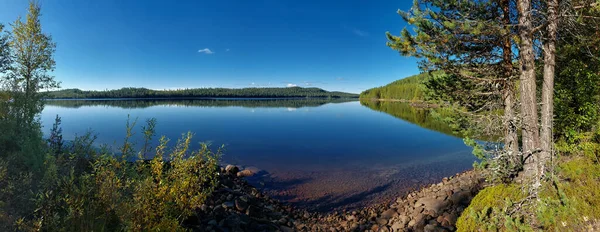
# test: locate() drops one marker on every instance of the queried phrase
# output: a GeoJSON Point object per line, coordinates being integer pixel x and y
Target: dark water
{"type": "Point", "coordinates": [315, 152]}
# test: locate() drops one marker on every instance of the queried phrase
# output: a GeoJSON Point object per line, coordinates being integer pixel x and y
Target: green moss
{"type": "Point", "coordinates": [571, 202]}
{"type": "Point", "coordinates": [488, 210]}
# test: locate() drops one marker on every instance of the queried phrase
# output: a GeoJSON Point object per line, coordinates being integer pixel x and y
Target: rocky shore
{"type": "Point", "coordinates": [238, 206]}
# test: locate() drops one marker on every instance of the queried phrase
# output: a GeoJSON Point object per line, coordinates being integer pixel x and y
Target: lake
{"type": "Point", "coordinates": [319, 154]}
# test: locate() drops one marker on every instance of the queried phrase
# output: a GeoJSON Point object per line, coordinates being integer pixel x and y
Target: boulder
{"type": "Point", "coordinates": [228, 205]}
{"type": "Point", "coordinates": [382, 221]}
{"type": "Point", "coordinates": [241, 205]}
{"type": "Point", "coordinates": [461, 197]}
{"type": "Point", "coordinates": [388, 214]}
{"type": "Point", "coordinates": [397, 226]}
{"type": "Point", "coordinates": [432, 204]}
{"type": "Point", "coordinates": [245, 173]}
{"type": "Point", "coordinates": [232, 169]}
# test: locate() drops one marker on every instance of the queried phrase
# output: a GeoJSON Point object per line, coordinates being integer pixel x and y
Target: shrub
{"type": "Point", "coordinates": [84, 188]}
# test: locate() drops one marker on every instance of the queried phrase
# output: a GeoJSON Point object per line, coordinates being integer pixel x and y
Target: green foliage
{"type": "Point", "coordinates": [292, 92]}
{"type": "Point", "coordinates": [26, 57]}
{"type": "Point", "coordinates": [410, 89]}
{"type": "Point", "coordinates": [5, 59]}
{"type": "Point", "coordinates": [86, 189]}
{"type": "Point", "coordinates": [457, 90]}
{"type": "Point", "coordinates": [490, 210]}
{"type": "Point", "coordinates": [577, 90]}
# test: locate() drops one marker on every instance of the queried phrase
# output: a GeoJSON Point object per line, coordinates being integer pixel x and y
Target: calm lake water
{"type": "Point", "coordinates": [315, 153]}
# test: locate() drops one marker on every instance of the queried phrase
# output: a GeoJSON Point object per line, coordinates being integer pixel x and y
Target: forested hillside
{"type": "Point", "coordinates": [247, 103]}
{"type": "Point", "coordinates": [292, 92]}
{"type": "Point", "coordinates": [410, 88]}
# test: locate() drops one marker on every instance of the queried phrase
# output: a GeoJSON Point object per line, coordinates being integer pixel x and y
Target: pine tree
{"type": "Point", "coordinates": [472, 42]}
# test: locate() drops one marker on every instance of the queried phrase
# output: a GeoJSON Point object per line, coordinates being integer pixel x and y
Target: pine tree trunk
{"type": "Point", "coordinates": [548, 88]}
{"type": "Point", "coordinates": [528, 89]}
{"type": "Point", "coordinates": [511, 143]}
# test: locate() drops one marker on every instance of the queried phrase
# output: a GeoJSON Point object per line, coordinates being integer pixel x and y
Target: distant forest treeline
{"type": "Point", "coordinates": [248, 103]}
{"type": "Point", "coordinates": [292, 92]}
{"type": "Point", "coordinates": [410, 88]}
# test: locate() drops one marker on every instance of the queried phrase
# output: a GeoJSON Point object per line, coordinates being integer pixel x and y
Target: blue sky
{"type": "Point", "coordinates": [335, 45]}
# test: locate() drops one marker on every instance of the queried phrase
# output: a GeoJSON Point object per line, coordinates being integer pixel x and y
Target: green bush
{"type": "Point", "coordinates": [88, 189]}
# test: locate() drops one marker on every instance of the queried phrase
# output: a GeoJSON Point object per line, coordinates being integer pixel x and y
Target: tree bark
{"type": "Point", "coordinates": [528, 89]}
{"type": "Point", "coordinates": [548, 87]}
{"type": "Point", "coordinates": [511, 143]}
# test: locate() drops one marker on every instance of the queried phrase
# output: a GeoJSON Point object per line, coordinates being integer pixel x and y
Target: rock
{"type": "Point", "coordinates": [232, 221]}
{"type": "Point", "coordinates": [286, 229]}
{"type": "Point", "coordinates": [388, 213]}
{"type": "Point", "coordinates": [218, 210]}
{"type": "Point", "coordinates": [440, 219]}
{"type": "Point", "coordinates": [403, 219]}
{"type": "Point", "coordinates": [384, 229]}
{"type": "Point", "coordinates": [382, 221]}
{"type": "Point", "coordinates": [418, 222]}
{"type": "Point", "coordinates": [232, 169]}
{"type": "Point", "coordinates": [396, 226]}
{"type": "Point", "coordinates": [245, 173]}
{"type": "Point", "coordinates": [241, 205]}
{"type": "Point", "coordinates": [228, 205]}
{"type": "Point", "coordinates": [375, 227]}
{"type": "Point", "coordinates": [350, 218]}
{"type": "Point", "coordinates": [450, 218]}
{"type": "Point", "coordinates": [282, 221]}
{"type": "Point", "coordinates": [252, 211]}
{"type": "Point", "coordinates": [429, 228]}
{"type": "Point", "coordinates": [461, 197]}
{"type": "Point", "coordinates": [412, 223]}
{"type": "Point", "coordinates": [433, 204]}
{"type": "Point", "coordinates": [353, 226]}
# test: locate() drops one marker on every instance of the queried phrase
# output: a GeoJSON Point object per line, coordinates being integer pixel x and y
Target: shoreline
{"type": "Point", "coordinates": [419, 104]}
{"type": "Point", "coordinates": [239, 206]}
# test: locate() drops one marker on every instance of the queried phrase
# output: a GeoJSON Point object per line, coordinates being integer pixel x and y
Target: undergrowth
{"type": "Point", "coordinates": [84, 188]}
{"type": "Point", "coordinates": [569, 199]}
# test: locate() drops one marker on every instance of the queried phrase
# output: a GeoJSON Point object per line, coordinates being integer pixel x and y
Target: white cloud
{"type": "Point", "coordinates": [227, 50]}
{"type": "Point", "coordinates": [339, 79]}
{"type": "Point", "coordinates": [359, 32]}
{"type": "Point", "coordinates": [205, 51]}
{"type": "Point", "coordinates": [356, 31]}
{"type": "Point", "coordinates": [291, 85]}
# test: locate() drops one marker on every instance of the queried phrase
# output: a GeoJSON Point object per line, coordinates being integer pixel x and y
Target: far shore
{"type": "Point", "coordinates": [414, 103]}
